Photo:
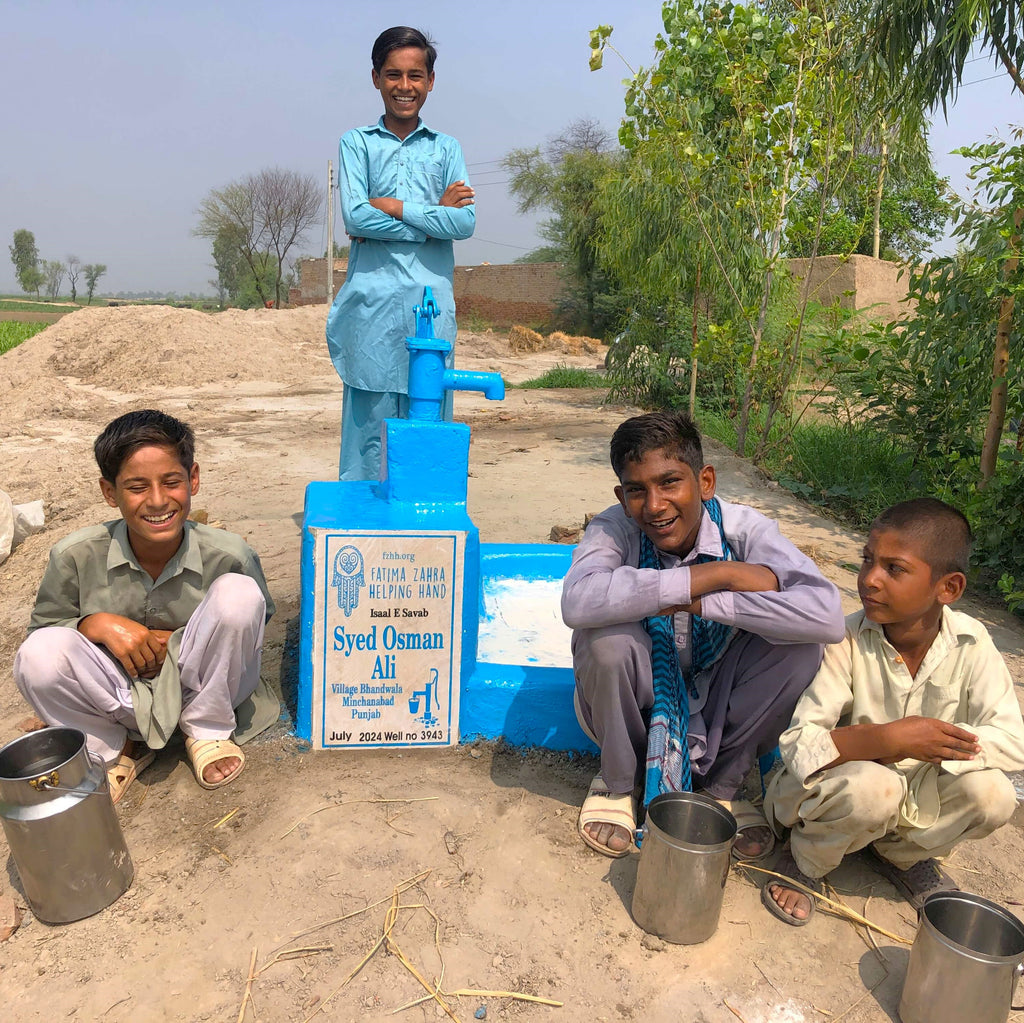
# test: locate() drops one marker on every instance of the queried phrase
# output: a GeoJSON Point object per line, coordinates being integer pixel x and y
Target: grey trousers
{"type": "Point", "coordinates": [753, 690]}
{"type": "Point", "coordinates": [857, 804]}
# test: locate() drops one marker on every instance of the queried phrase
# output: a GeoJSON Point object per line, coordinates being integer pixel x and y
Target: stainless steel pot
{"type": "Point", "coordinates": [61, 826]}
{"type": "Point", "coordinates": [684, 862]}
{"type": "Point", "coordinates": [964, 963]}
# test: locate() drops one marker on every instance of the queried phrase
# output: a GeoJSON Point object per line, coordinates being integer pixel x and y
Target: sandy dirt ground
{"type": "Point", "coordinates": [497, 893]}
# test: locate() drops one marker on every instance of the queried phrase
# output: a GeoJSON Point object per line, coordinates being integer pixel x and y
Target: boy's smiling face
{"type": "Point", "coordinates": [153, 491]}
{"type": "Point", "coordinates": [664, 498]}
{"type": "Point", "coordinates": [896, 584]}
{"type": "Point", "coordinates": [404, 82]}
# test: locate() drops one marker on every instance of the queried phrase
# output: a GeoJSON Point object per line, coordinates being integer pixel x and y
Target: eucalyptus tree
{"type": "Point", "coordinates": [742, 110]}
{"type": "Point", "coordinates": [565, 177]}
{"type": "Point", "coordinates": [927, 43]}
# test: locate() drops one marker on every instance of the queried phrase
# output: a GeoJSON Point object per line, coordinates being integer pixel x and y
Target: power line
{"type": "Point", "coordinates": [978, 81]}
{"type": "Point", "coordinates": [507, 245]}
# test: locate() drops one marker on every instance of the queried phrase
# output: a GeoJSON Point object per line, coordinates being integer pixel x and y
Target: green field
{"type": "Point", "coordinates": [14, 305]}
{"type": "Point", "coordinates": [12, 333]}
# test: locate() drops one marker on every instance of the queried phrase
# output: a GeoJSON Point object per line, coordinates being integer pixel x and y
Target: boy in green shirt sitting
{"type": "Point", "coordinates": [151, 622]}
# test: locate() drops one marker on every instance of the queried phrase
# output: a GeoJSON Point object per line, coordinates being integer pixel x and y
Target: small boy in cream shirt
{"type": "Point", "coordinates": [901, 741]}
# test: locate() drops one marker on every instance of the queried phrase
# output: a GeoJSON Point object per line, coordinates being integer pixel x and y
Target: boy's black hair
{"type": "Point", "coordinates": [676, 432]}
{"type": "Point", "coordinates": [944, 534]}
{"type": "Point", "coordinates": [126, 434]}
{"type": "Point", "coordinates": [398, 38]}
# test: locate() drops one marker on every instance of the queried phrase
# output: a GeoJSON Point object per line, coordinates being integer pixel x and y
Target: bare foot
{"type": "Point", "coordinates": [752, 842]}
{"type": "Point", "coordinates": [791, 902]}
{"type": "Point", "coordinates": [611, 835]}
{"type": "Point", "coordinates": [220, 769]}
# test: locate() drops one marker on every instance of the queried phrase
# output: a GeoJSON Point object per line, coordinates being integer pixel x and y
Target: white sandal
{"type": "Point", "coordinates": [604, 807]}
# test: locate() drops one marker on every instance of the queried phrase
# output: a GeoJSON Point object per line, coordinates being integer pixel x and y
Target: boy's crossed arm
{"type": "Point", "coordinates": [725, 576]}
{"type": "Point", "coordinates": [910, 738]}
{"type": "Point", "coordinates": [140, 651]}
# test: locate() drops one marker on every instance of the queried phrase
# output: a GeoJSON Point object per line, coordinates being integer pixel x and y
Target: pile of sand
{"type": "Point", "coordinates": [112, 348]}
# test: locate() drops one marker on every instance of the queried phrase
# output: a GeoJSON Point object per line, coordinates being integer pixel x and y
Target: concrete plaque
{"type": "Point", "coordinates": [386, 638]}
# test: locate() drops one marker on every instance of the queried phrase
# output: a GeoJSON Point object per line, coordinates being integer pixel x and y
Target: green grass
{"type": "Point", "coordinates": [9, 305]}
{"type": "Point", "coordinates": [12, 333]}
{"type": "Point", "coordinates": [566, 376]}
{"type": "Point", "coordinates": [853, 472]}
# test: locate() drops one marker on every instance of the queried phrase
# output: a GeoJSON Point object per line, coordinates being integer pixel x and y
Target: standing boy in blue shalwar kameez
{"type": "Point", "coordinates": [405, 197]}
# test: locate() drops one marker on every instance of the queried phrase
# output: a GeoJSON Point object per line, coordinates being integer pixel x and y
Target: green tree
{"type": "Point", "coordinates": [53, 274]}
{"type": "Point", "coordinates": [93, 272]}
{"type": "Point", "coordinates": [25, 257]}
{"type": "Point", "coordinates": [927, 43]}
{"type": "Point", "coordinates": [742, 108]}
{"type": "Point", "coordinates": [566, 179]}
{"type": "Point", "coordinates": [912, 213]}
{"type": "Point", "coordinates": [229, 262]}
{"type": "Point", "coordinates": [270, 211]}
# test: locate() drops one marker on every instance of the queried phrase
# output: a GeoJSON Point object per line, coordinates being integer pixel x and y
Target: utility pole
{"type": "Point", "coordinates": [330, 232]}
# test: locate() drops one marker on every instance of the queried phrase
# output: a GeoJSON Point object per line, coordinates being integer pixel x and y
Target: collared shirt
{"type": "Point", "coordinates": [95, 570]}
{"type": "Point", "coordinates": [604, 587]}
{"type": "Point", "coordinates": [863, 680]}
{"type": "Point", "coordinates": [390, 261]}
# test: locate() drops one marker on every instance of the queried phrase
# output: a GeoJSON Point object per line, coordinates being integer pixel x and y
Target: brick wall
{"type": "Point", "coordinates": [501, 292]}
{"type": "Point", "coordinates": [507, 293]}
{"type": "Point", "coordinates": [873, 286]}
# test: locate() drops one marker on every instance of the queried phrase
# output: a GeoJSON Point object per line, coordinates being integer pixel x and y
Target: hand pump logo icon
{"type": "Point", "coordinates": [348, 577]}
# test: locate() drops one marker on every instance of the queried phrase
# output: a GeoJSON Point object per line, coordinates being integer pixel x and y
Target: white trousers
{"type": "Point", "coordinates": [857, 804]}
{"type": "Point", "coordinates": [70, 681]}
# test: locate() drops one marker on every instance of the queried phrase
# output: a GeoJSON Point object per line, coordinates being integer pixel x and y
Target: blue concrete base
{"type": "Point", "coordinates": [525, 704]}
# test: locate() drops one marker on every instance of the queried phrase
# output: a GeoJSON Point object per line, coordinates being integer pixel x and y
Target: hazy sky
{"type": "Point", "coordinates": [120, 116]}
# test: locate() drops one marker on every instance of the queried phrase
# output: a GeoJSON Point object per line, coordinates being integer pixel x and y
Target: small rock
{"type": "Point", "coordinates": [10, 916]}
{"type": "Point", "coordinates": [475, 754]}
{"type": "Point", "coordinates": [30, 724]}
{"type": "Point", "coordinates": [564, 534]}
{"type": "Point", "coordinates": [652, 943]}
{"type": "Point", "coordinates": [481, 1013]}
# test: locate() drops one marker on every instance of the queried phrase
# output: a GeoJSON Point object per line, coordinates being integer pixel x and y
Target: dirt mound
{"type": "Point", "coordinates": [113, 347]}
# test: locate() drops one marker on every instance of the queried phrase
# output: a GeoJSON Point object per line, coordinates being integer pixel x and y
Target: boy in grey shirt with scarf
{"type": "Point", "coordinates": [672, 592]}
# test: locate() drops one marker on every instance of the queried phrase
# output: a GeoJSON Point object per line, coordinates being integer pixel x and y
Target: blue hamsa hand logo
{"type": "Point", "coordinates": [348, 577]}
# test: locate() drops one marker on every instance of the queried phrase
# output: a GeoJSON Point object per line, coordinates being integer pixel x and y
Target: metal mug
{"type": "Point", "coordinates": [964, 963]}
{"type": "Point", "coordinates": [684, 862]}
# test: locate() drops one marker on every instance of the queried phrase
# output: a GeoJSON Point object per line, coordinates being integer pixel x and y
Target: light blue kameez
{"type": "Point", "coordinates": [390, 262]}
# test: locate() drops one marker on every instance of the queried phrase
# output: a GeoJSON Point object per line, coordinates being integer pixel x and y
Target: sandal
{"type": "Point", "coordinates": [915, 883]}
{"type": "Point", "coordinates": [749, 816]}
{"type": "Point", "coordinates": [203, 752]}
{"type": "Point", "coordinates": [604, 807]}
{"type": "Point", "coordinates": [788, 867]}
{"type": "Point", "coordinates": [125, 770]}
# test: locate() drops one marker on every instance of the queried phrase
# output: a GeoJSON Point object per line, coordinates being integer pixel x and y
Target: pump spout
{"type": "Point", "coordinates": [491, 384]}
{"type": "Point", "coordinates": [428, 376]}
